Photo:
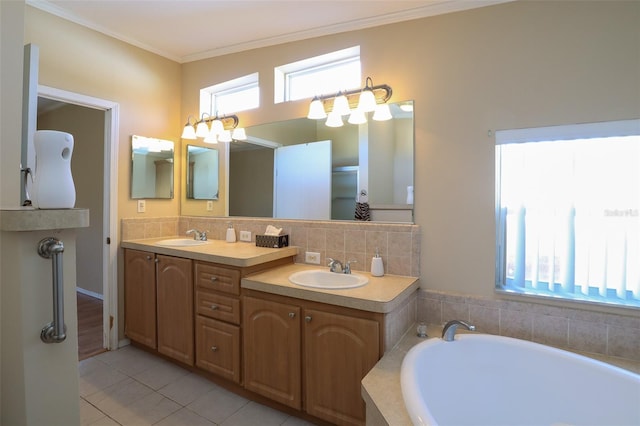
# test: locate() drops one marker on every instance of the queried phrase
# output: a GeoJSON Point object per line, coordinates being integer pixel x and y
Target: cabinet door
{"type": "Point", "coordinates": [339, 351]}
{"type": "Point", "coordinates": [218, 348]}
{"type": "Point", "coordinates": [175, 308]}
{"type": "Point", "coordinates": [271, 341]}
{"type": "Point", "coordinates": [140, 297]}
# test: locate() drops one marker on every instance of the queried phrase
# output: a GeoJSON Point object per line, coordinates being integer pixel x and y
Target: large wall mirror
{"type": "Point", "coordinates": [370, 162]}
{"type": "Point", "coordinates": [151, 167]}
{"type": "Point", "coordinates": [202, 173]}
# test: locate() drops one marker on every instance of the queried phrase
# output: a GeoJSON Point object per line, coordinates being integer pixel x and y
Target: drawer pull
{"type": "Point", "coordinates": [214, 278]}
{"type": "Point", "coordinates": [307, 318]}
{"type": "Point", "coordinates": [214, 307]}
{"type": "Point", "coordinates": [292, 314]}
{"type": "Point", "coordinates": [214, 349]}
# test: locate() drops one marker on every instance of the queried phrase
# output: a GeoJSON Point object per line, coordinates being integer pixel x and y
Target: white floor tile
{"type": "Point", "coordinates": [115, 398]}
{"type": "Point", "coordinates": [185, 417]}
{"type": "Point", "coordinates": [218, 404]}
{"type": "Point", "coordinates": [255, 414]}
{"type": "Point", "coordinates": [88, 413]}
{"type": "Point", "coordinates": [101, 377]}
{"type": "Point", "coordinates": [160, 374]}
{"type": "Point", "coordinates": [187, 389]}
{"type": "Point", "coordinates": [146, 411]}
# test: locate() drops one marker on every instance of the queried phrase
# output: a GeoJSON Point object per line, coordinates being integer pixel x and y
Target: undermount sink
{"type": "Point", "coordinates": [181, 242]}
{"type": "Point", "coordinates": [317, 278]}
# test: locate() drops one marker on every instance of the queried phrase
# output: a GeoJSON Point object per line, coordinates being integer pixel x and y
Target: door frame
{"type": "Point", "coordinates": [110, 203]}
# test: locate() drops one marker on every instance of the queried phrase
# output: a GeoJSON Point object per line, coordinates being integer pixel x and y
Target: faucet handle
{"type": "Point", "coordinates": [203, 235]}
{"type": "Point", "coordinates": [334, 265]}
{"type": "Point", "coordinates": [347, 266]}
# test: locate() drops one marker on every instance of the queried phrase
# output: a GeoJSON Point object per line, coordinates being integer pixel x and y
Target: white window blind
{"type": "Point", "coordinates": [568, 212]}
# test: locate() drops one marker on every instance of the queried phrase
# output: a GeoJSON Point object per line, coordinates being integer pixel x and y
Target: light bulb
{"type": "Point", "coordinates": [357, 117]}
{"type": "Point", "coordinates": [216, 127]}
{"type": "Point", "coordinates": [382, 113]}
{"type": "Point", "coordinates": [334, 120]}
{"type": "Point", "coordinates": [225, 136]}
{"type": "Point", "coordinates": [202, 129]}
{"type": "Point", "coordinates": [188, 132]}
{"type": "Point", "coordinates": [239, 134]}
{"type": "Point", "coordinates": [367, 101]}
{"type": "Point", "coordinates": [341, 105]}
{"type": "Point", "coordinates": [316, 110]}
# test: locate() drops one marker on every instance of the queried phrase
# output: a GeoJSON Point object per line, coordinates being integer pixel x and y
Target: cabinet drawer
{"type": "Point", "coordinates": [218, 348]}
{"type": "Point", "coordinates": [219, 279]}
{"type": "Point", "coordinates": [217, 306]}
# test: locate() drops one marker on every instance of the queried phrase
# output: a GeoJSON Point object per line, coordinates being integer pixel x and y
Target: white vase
{"type": "Point", "coordinates": [53, 186]}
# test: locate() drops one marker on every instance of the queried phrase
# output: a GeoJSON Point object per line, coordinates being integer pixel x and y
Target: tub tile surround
{"type": "Point", "coordinates": [598, 333]}
{"type": "Point", "coordinates": [399, 244]}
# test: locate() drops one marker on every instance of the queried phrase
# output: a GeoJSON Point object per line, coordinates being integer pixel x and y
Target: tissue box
{"type": "Point", "coordinates": [274, 241]}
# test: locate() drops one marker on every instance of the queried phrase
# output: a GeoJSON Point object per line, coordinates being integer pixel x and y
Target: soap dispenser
{"type": "Point", "coordinates": [231, 234]}
{"type": "Point", "coordinates": [377, 267]}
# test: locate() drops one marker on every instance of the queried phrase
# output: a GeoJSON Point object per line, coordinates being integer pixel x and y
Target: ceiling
{"type": "Point", "coordinates": [189, 30]}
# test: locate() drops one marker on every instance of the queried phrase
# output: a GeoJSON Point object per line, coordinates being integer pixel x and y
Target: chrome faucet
{"type": "Point", "coordinates": [335, 265]}
{"type": "Point", "coordinates": [449, 330]}
{"type": "Point", "coordinates": [347, 266]}
{"type": "Point", "coordinates": [198, 235]}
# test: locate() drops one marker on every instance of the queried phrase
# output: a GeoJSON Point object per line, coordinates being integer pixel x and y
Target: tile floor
{"type": "Point", "coordinates": [133, 388]}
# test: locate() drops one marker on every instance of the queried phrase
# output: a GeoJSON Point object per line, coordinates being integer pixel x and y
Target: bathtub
{"type": "Point", "coordinates": [481, 379]}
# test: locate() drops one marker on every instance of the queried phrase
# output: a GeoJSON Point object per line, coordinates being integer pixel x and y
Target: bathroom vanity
{"type": "Point", "coordinates": [230, 312]}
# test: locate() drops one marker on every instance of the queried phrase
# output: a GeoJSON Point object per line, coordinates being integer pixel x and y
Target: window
{"type": "Point", "coordinates": [232, 96]}
{"type": "Point", "coordinates": [568, 212]}
{"type": "Point", "coordinates": [320, 75]}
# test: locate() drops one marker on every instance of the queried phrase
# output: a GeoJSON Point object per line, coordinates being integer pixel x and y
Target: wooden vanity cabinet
{"type": "Point", "coordinates": [272, 362]}
{"type": "Point", "coordinates": [217, 302]}
{"type": "Point", "coordinates": [175, 308]}
{"type": "Point", "coordinates": [335, 347]}
{"type": "Point", "coordinates": [140, 297]}
{"type": "Point", "coordinates": [159, 303]}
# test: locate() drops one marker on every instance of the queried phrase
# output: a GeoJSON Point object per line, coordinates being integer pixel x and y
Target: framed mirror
{"type": "Point", "coordinates": [151, 168]}
{"type": "Point", "coordinates": [202, 173]}
{"type": "Point", "coordinates": [370, 162]}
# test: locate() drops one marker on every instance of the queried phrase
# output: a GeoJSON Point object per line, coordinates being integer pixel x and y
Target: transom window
{"type": "Point", "coordinates": [568, 212]}
{"type": "Point", "coordinates": [231, 96]}
{"type": "Point", "coordinates": [320, 75]}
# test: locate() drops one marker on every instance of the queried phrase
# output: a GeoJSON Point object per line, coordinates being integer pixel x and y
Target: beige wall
{"type": "Point", "coordinates": [146, 86]}
{"type": "Point", "coordinates": [520, 64]}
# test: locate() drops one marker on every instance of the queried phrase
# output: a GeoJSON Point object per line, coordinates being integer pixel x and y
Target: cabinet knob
{"type": "Point", "coordinates": [157, 260]}
{"type": "Point", "coordinates": [214, 278]}
{"type": "Point", "coordinates": [148, 257]}
{"type": "Point", "coordinates": [214, 307]}
{"type": "Point", "coordinates": [292, 314]}
{"type": "Point", "coordinates": [307, 318]}
{"type": "Point", "coordinates": [214, 349]}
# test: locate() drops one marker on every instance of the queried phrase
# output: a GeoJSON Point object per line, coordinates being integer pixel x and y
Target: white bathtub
{"type": "Point", "coordinates": [480, 379]}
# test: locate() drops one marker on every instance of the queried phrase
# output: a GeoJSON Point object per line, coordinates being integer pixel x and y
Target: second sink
{"type": "Point", "coordinates": [181, 242]}
{"type": "Point", "coordinates": [317, 278]}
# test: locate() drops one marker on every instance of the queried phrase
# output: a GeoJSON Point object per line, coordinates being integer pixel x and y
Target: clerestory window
{"type": "Point", "coordinates": [240, 94]}
{"type": "Point", "coordinates": [568, 212]}
{"type": "Point", "coordinates": [319, 75]}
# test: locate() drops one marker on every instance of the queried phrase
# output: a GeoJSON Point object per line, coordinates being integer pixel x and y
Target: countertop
{"type": "Point", "coordinates": [381, 386]}
{"type": "Point", "coordinates": [380, 294]}
{"type": "Point", "coordinates": [238, 254]}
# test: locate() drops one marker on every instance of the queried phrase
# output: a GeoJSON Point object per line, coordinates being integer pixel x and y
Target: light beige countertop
{"type": "Point", "coordinates": [380, 294]}
{"type": "Point", "coordinates": [238, 254]}
{"type": "Point", "coordinates": [381, 386]}
{"type": "Point", "coordinates": [32, 219]}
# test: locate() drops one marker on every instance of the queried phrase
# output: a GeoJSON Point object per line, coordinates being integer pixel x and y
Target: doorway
{"type": "Point", "coordinates": [94, 124]}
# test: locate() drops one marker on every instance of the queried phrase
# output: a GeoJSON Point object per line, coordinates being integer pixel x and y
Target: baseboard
{"type": "Point", "coordinates": [90, 293]}
{"type": "Point", "coordinates": [123, 343]}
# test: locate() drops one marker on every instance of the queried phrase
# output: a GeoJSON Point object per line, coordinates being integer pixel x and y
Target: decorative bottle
{"type": "Point", "coordinates": [231, 234]}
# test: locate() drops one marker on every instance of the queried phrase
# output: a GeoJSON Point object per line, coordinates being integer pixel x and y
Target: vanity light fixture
{"type": "Point", "coordinates": [220, 130]}
{"type": "Point", "coordinates": [382, 113]}
{"type": "Point", "coordinates": [356, 102]}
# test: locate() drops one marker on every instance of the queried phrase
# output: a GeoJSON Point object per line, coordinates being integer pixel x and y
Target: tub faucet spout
{"type": "Point", "coordinates": [449, 330]}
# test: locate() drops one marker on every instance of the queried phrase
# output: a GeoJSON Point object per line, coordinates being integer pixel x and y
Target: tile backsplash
{"type": "Point", "coordinates": [565, 327]}
{"type": "Point", "coordinates": [398, 243]}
